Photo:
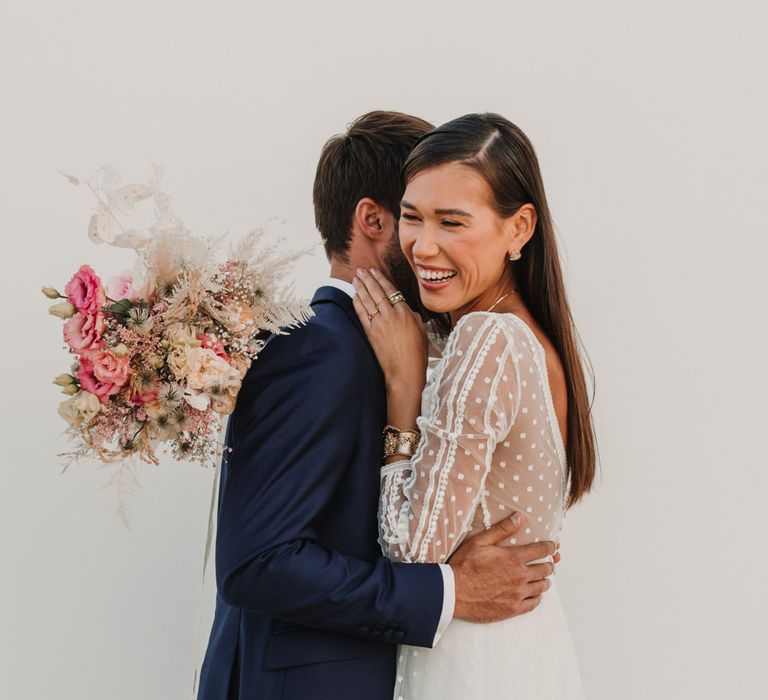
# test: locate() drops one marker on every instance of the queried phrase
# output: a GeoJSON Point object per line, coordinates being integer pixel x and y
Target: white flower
{"type": "Point", "coordinates": [183, 335]}
{"type": "Point", "coordinates": [51, 293]}
{"type": "Point", "coordinates": [63, 309]}
{"type": "Point", "coordinates": [196, 398]}
{"type": "Point", "coordinates": [64, 380]}
{"type": "Point", "coordinates": [68, 411]}
{"type": "Point", "coordinates": [82, 406]}
{"type": "Point", "coordinates": [88, 404]}
{"type": "Point", "coordinates": [207, 369]}
{"type": "Point", "coordinates": [182, 338]}
{"type": "Point", "coordinates": [177, 361]}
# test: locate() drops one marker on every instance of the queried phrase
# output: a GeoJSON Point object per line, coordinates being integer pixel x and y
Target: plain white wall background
{"type": "Point", "coordinates": [649, 120]}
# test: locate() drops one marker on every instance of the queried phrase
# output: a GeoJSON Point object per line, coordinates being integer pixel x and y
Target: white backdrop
{"type": "Point", "coordinates": [649, 119]}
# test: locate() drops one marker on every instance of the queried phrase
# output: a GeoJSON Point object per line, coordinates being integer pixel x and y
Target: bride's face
{"type": "Point", "coordinates": [455, 241]}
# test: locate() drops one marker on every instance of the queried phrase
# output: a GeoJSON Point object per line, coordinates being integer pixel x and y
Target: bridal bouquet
{"type": "Point", "coordinates": [158, 355]}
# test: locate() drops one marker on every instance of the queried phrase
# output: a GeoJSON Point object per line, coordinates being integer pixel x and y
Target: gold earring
{"type": "Point", "coordinates": [515, 256]}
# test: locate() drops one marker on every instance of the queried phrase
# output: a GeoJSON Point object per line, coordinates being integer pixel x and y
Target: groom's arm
{"type": "Point", "coordinates": [295, 430]}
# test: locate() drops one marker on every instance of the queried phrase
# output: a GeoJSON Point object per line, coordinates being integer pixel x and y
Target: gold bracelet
{"type": "Point", "coordinates": [400, 442]}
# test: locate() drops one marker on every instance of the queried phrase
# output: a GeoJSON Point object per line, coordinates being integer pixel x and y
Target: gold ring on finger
{"type": "Point", "coordinates": [395, 298]}
{"type": "Point", "coordinates": [380, 301]}
{"type": "Point", "coordinates": [370, 316]}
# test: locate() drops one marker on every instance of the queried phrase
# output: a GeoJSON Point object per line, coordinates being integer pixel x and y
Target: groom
{"type": "Point", "coordinates": [307, 608]}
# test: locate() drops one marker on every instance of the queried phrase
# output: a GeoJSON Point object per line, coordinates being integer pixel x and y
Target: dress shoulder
{"type": "Point", "coordinates": [516, 332]}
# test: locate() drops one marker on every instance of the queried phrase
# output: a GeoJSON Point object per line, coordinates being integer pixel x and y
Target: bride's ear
{"type": "Point", "coordinates": [520, 227]}
{"type": "Point", "coordinates": [371, 219]}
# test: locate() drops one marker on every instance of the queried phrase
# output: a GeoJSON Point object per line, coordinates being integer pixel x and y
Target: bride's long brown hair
{"type": "Point", "coordinates": [504, 156]}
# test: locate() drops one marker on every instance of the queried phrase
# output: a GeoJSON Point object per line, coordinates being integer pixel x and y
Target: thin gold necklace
{"type": "Point", "coordinates": [500, 299]}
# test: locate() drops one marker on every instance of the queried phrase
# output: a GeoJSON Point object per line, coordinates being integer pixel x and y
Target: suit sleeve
{"type": "Point", "coordinates": [294, 436]}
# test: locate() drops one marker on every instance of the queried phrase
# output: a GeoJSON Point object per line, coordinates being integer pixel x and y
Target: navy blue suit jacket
{"type": "Point", "coordinates": [306, 605]}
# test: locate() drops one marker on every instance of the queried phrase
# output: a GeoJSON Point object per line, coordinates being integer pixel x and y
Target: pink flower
{"type": "Point", "coordinates": [89, 381]}
{"type": "Point", "coordinates": [84, 291]}
{"type": "Point", "coordinates": [110, 368]}
{"type": "Point", "coordinates": [141, 399]}
{"type": "Point", "coordinates": [207, 341]}
{"type": "Point", "coordinates": [83, 332]}
{"type": "Point", "coordinates": [121, 287]}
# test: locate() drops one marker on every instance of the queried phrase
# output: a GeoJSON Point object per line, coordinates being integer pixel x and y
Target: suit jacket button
{"type": "Point", "coordinates": [387, 634]}
{"type": "Point", "coordinates": [398, 635]}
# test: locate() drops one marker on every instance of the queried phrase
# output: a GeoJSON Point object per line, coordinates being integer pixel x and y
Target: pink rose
{"type": "Point", "coordinates": [83, 332]}
{"type": "Point", "coordinates": [84, 291]}
{"type": "Point", "coordinates": [86, 375]}
{"type": "Point", "coordinates": [121, 287]}
{"type": "Point", "coordinates": [217, 346]}
{"type": "Point", "coordinates": [110, 368]}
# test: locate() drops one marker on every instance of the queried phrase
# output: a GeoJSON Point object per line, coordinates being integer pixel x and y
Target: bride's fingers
{"type": "Point", "coordinates": [387, 286]}
{"type": "Point", "coordinates": [364, 297]}
{"type": "Point", "coordinates": [361, 312]}
{"type": "Point", "coordinates": [389, 289]}
{"type": "Point", "coordinates": [373, 286]}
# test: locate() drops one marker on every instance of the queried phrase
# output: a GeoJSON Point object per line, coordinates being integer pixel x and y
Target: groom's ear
{"type": "Point", "coordinates": [371, 219]}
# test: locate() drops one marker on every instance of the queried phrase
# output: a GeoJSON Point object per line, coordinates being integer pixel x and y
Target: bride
{"type": "Point", "coordinates": [503, 422]}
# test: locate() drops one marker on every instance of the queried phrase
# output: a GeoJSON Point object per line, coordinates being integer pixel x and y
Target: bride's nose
{"type": "Point", "coordinates": [425, 244]}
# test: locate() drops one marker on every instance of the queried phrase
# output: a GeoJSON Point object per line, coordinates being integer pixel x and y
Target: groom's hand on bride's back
{"type": "Point", "coordinates": [495, 582]}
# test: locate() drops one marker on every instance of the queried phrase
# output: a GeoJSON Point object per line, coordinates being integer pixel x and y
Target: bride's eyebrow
{"type": "Point", "coordinates": [453, 212]}
{"type": "Point", "coordinates": [439, 212]}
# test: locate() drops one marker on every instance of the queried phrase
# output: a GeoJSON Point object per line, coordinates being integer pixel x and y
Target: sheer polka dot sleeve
{"type": "Point", "coordinates": [428, 503]}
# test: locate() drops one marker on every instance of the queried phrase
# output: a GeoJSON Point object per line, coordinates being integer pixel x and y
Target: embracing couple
{"type": "Point", "coordinates": [399, 467]}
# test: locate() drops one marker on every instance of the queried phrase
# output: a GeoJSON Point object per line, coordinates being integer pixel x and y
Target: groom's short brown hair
{"type": "Point", "coordinates": [365, 161]}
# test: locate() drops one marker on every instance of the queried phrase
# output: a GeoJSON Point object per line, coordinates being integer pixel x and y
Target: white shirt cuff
{"type": "Point", "coordinates": [449, 601]}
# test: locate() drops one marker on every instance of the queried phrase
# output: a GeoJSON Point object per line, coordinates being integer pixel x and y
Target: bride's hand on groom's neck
{"type": "Point", "coordinates": [494, 582]}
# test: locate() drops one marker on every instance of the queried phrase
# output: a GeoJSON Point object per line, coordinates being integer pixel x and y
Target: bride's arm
{"type": "Point", "coordinates": [428, 503]}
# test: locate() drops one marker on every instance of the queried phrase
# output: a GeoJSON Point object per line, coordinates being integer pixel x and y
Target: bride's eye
{"type": "Point", "coordinates": [450, 224]}
{"type": "Point", "coordinates": [409, 217]}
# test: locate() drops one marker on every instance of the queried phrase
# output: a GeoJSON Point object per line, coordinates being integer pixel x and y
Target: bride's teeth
{"type": "Point", "coordinates": [432, 275]}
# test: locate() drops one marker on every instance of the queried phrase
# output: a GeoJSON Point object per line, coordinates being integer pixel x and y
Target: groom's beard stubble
{"type": "Point", "coordinates": [402, 276]}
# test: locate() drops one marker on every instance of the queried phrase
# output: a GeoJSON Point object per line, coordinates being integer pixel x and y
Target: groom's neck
{"type": "Point", "coordinates": [347, 269]}
{"type": "Point", "coordinates": [342, 270]}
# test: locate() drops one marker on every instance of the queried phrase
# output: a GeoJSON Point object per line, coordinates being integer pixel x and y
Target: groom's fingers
{"type": "Point", "coordinates": [529, 604]}
{"type": "Point", "coordinates": [537, 588]}
{"type": "Point", "coordinates": [536, 572]}
{"type": "Point", "coordinates": [499, 531]}
{"type": "Point", "coordinates": [506, 529]}
{"type": "Point", "coordinates": [537, 550]}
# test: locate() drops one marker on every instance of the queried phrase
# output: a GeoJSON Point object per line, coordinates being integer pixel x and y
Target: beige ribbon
{"type": "Point", "coordinates": [206, 557]}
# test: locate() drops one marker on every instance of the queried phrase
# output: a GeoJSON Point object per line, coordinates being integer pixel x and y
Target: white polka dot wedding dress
{"type": "Point", "coordinates": [490, 445]}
